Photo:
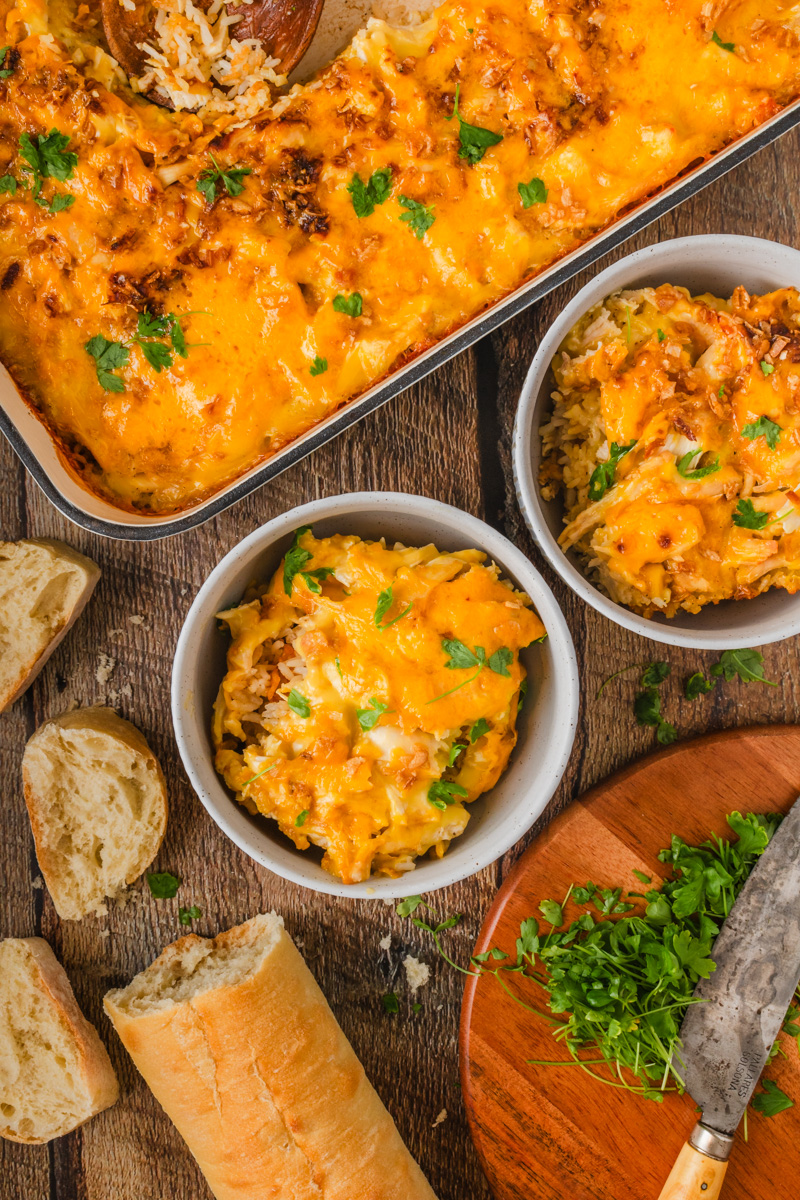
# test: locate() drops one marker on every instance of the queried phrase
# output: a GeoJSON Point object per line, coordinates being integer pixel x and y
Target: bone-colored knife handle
{"type": "Point", "coordinates": [700, 1167]}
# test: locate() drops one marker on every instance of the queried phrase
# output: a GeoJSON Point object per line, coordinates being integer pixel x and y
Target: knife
{"type": "Point", "coordinates": [726, 1039]}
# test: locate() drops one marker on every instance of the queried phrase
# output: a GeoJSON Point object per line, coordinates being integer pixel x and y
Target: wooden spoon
{"type": "Point", "coordinates": [284, 27]}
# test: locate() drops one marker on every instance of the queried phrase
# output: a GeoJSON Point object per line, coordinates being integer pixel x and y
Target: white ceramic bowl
{"type": "Point", "coordinates": [546, 725]}
{"type": "Point", "coordinates": [711, 263]}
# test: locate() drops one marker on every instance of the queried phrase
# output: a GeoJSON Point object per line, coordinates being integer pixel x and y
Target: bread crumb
{"type": "Point", "coordinates": [388, 901]}
{"type": "Point", "coordinates": [385, 942]}
{"type": "Point", "coordinates": [105, 668]}
{"type": "Point", "coordinates": [417, 973]}
{"type": "Point", "coordinates": [38, 882]}
{"type": "Point", "coordinates": [441, 1117]}
{"type": "Point", "coordinates": [136, 620]}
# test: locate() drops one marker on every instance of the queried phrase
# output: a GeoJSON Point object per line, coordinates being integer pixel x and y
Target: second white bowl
{"type": "Point", "coordinates": [712, 263]}
{"type": "Point", "coordinates": [546, 722]}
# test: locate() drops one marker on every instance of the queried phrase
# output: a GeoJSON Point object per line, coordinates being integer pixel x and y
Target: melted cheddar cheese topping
{"type": "Point", "coordinates": [676, 442]}
{"type": "Point", "coordinates": [592, 106]}
{"type": "Point", "coordinates": [371, 694]}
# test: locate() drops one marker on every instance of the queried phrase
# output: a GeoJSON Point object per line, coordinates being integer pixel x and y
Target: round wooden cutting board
{"type": "Point", "coordinates": [551, 1132]}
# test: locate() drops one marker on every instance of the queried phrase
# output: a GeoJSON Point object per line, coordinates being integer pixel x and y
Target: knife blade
{"type": "Point", "coordinates": [727, 1036]}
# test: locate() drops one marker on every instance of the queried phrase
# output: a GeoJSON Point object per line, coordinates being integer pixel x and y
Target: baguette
{"type": "Point", "coordinates": [55, 1072]}
{"type": "Point", "coordinates": [97, 801]}
{"type": "Point", "coordinates": [240, 1048]}
{"type": "Point", "coordinates": [44, 587]}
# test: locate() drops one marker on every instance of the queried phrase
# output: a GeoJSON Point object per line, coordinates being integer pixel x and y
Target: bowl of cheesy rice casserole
{"type": "Point", "coordinates": [657, 442]}
{"type": "Point", "coordinates": [375, 695]}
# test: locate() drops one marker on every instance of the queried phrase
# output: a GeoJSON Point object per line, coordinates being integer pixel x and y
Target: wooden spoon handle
{"type": "Point", "coordinates": [696, 1175]}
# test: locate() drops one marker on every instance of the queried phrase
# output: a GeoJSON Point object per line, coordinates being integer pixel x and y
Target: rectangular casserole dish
{"type": "Point", "coordinates": [36, 448]}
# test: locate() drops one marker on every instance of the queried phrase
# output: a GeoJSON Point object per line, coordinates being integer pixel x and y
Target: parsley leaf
{"type": "Point", "coordinates": [419, 217]}
{"type": "Point", "coordinates": [772, 1100]}
{"type": "Point", "coordinates": [8, 184]}
{"type": "Point", "coordinates": [500, 661]}
{"type": "Point", "coordinates": [532, 193]}
{"type": "Point", "coordinates": [480, 727]}
{"type": "Point", "coordinates": [214, 177]}
{"type": "Point", "coordinates": [187, 915]}
{"type": "Point", "coordinates": [460, 657]}
{"type": "Point", "coordinates": [523, 691]}
{"type": "Point", "coordinates": [366, 196]}
{"type": "Point", "coordinates": [301, 818]}
{"type": "Point", "coordinates": [385, 601]}
{"type": "Point", "coordinates": [474, 140]}
{"type": "Point", "coordinates": [163, 885]}
{"type": "Point", "coordinates": [108, 355]}
{"type": "Point", "coordinates": [298, 703]}
{"type": "Point", "coordinates": [60, 202]}
{"type": "Point", "coordinates": [390, 1003]}
{"type": "Point", "coordinates": [747, 664]}
{"type": "Point", "coordinates": [318, 366]}
{"type": "Point", "coordinates": [156, 353]}
{"type": "Point", "coordinates": [684, 466]}
{"type": "Point", "coordinates": [5, 57]}
{"type": "Point", "coordinates": [552, 912]}
{"type": "Point", "coordinates": [647, 710]}
{"type": "Point", "coordinates": [150, 325]}
{"type": "Point", "coordinates": [314, 578]}
{"type": "Point", "coordinates": [747, 516]}
{"type": "Point", "coordinates": [654, 674]}
{"type": "Point", "coordinates": [661, 335]}
{"type": "Point", "coordinates": [48, 155]}
{"type": "Point", "coordinates": [368, 717]}
{"type": "Point", "coordinates": [698, 685]}
{"type": "Point", "coordinates": [729, 46]}
{"type": "Point", "coordinates": [765, 428]}
{"type": "Point", "coordinates": [604, 474]}
{"type": "Point", "coordinates": [351, 306]}
{"type": "Point", "coordinates": [408, 906]}
{"type": "Point", "coordinates": [767, 368]}
{"type": "Point", "coordinates": [441, 793]}
{"type": "Point", "coordinates": [296, 558]}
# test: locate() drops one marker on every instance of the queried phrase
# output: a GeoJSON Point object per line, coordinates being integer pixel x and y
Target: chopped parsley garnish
{"type": "Point", "coordinates": [368, 717]}
{"type": "Point", "coordinates": [747, 664]}
{"type": "Point", "coordinates": [442, 793]}
{"type": "Point", "coordinates": [474, 140]}
{"type": "Point", "coordinates": [747, 516]}
{"type": "Point", "coordinates": [366, 196]}
{"type": "Point", "coordinates": [717, 40]}
{"type": "Point", "coordinates": [532, 193]}
{"type": "Point", "coordinates": [5, 57]}
{"type": "Point", "coordinates": [684, 465]}
{"type": "Point", "coordinates": [765, 428]}
{"type": "Point", "coordinates": [296, 558]}
{"type": "Point", "coordinates": [8, 184]}
{"type": "Point", "coordinates": [385, 601]}
{"type": "Point", "coordinates": [480, 727]}
{"type": "Point", "coordinates": [655, 673]}
{"type": "Point", "coordinates": [351, 306]}
{"type": "Point", "coordinates": [500, 661]}
{"type": "Point", "coordinates": [107, 356]}
{"type": "Point", "coordinates": [187, 915]}
{"type": "Point", "coordinates": [163, 885]}
{"type": "Point", "coordinates": [647, 710]}
{"type": "Point", "coordinates": [214, 177]}
{"type": "Point", "coordinates": [314, 578]}
{"type": "Point", "coordinates": [523, 691]}
{"type": "Point", "coordinates": [772, 1100]}
{"type": "Point", "coordinates": [298, 703]}
{"type": "Point", "coordinates": [721, 392]}
{"type": "Point", "coordinates": [698, 685]}
{"type": "Point", "coordinates": [767, 368]}
{"type": "Point", "coordinates": [319, 366]}
{"type": "Point", "coordinates": [661, 335]}
{"type": "Point", "coordinates": [390, 1003]}
{"type": "Point", "coordinates": [461, 658]}
{"type": "Point", "coordinates": [455, 750]}
{"type": "Point", "coordinates": [419, 217]}
{"type": "Point", "coordinates": [604, 474]}
{"type": "Point", "coordinates": [301, 818]}
{"type": "Point", "coordinates": [552, 912]}
{"type": "Point", "coordinates": [48, 158]}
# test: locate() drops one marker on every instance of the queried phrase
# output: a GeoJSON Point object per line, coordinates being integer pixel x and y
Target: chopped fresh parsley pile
{"type": "Point", "coordinates": [419, 217]}
{"type": "Point", "coordinates": [532, 193]}
{"type": "Point", "coordinates": [604, 474]}
{"type": "Point", "coordinates": [366, 196]}
{"type": "Point", "coordinates": [617, 983]}
{"type": "Point", "coordinates": [351, 306]}
{"type": "Point", "coordinates": [163, 884]}
{"type": "Point", "coordinates": [684, 466]}
{"type": "Point", "coordinates": [215, 177]}
{"type": "Point", "coordinates": [152, 334]}
{"type": "Point", "coordinates": [474, 141]}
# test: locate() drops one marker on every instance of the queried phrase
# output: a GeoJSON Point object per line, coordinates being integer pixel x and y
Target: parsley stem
{"type": "Point", "coordinates": [457, 687]}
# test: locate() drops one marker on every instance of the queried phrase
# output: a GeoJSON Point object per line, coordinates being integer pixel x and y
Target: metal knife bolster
{"type": "Point", "coordinates": [727, 1038]}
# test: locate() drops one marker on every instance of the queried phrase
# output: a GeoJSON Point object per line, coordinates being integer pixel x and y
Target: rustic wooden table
{"type": "Point", "coordinates": [447, 438]}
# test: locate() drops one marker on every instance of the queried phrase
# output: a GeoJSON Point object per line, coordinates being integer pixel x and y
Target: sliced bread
{"type": "Point", "coordinates": [55, 1072]}
{"type": "Point", "coordinates": [44, 587]}
{"type": "Point", "coordinates": [97, 801]}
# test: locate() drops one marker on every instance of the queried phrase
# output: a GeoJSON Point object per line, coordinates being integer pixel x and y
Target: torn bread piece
{"type": "Point", "coordinates": [44, 587]}
{"type": "Point", "coordinates": [55, 1072]}
{"type": "Point", "coordinates": [240, 1048]}
{"type": "Point", "coordinates": [97, 801]}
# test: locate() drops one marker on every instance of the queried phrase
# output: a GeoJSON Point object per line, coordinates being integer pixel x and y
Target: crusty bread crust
{"type": "Point", "coordinates": [84, 576]}
{"type": "Point", "coordinates": [105, 721]}
{"type": "Point", "coordinates": [259, 1078]}
{"type": "Point", "coordinates": [95, 1069]}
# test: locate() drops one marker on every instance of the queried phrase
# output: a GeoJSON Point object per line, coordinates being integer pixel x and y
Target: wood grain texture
{"type": "Point", "coordinates": [447, 438]}
{"type": "Point", "coordinates": [552, 1131]}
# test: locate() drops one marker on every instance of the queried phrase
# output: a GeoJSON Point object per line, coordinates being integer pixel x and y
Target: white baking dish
{"type": "Point", "coordinates": [711, 263]}
{"type": "Point", "coordinates": [546, 725]}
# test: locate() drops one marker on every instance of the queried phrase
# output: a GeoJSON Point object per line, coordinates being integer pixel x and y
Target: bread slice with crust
{"type": "Point", "coordinates": [97, 801]}
{"type": "Point", "coordinates": [44, 587]}
{"type": "Point", "coordinates": [55, 1072]}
